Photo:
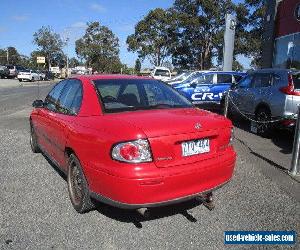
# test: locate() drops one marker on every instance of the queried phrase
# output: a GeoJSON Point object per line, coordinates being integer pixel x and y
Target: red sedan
{"type": "Point", "coordinates": [131, 142]}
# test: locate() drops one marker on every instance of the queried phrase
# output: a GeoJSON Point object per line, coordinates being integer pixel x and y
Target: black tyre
{"type": "Point", "coordinates": [263, 116]}
{"type": "Point", "coordinates": [33, 140]}
{"type": "Point", "coordinates": [78, 187]}
{"type": "Point", "coordinates": [20, 80]}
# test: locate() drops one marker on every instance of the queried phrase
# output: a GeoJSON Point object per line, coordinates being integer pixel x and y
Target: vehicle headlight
{"type": "Point", "coordinates": [132, 151]}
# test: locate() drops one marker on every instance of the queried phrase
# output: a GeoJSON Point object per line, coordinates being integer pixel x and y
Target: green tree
{"type": "Point", "coordinates": [73, 62]}
{"type": "Point", "coordinates": [153, 36]}
{"type": "Point", "coordinates": [199, 33]}
{"type": "Point", "coordinates": [49, 43]}
{"type": "Point", "coordinates": [138, 65]}
{"type": "Point", "coordinates": [99, 47]}
{"type": "Point", "coordinates": [256, 14]}
{"type": "Point", "coordinates": [12, 54]}
{"type": "Point", "coordinates": [237, 66]}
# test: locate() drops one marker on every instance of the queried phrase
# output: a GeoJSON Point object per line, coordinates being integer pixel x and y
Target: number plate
{"type": "Point", "coordinates": [195, 147]}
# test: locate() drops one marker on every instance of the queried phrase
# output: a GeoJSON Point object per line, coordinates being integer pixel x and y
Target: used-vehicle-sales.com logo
{"type": "Point", "coordinates": [297, 12]}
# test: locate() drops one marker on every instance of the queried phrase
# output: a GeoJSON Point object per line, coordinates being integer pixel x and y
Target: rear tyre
{"type": "Point", "coordinates": [20, 80]}
{"type": "Point", "coordinates": [78, 187]}
{"type": "Point", "coordinates": [263, 115]}
{"type": "Point", "coordinates": [33, 140]}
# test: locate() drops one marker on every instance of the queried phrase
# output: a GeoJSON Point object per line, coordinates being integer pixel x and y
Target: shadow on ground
{"type": "Point", "coordinates": [132, 216]}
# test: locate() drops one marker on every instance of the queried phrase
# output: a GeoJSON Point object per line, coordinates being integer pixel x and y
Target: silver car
{"type": "Point", "coordinates": [267, 94]}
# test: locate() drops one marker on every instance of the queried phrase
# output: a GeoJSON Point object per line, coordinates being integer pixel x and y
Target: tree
{"type": "Point", "coordinates": [137, 67]}
{"type": "Point", "coordinates": [99, 47]}
{"type": "Point", "coordinates": [73, 62]}
{"type": "Point", "coordinates": [237, 66]}
{"type": "Point", "coordinates": [256, 14]}
{"type": "Point", "coordinates": [11, 54]}
{"type": "Point", "coordinates": [199, 32]}
{"type": "Point", "coordinates": [49, 43]}
{"type": "Point", "coordinates": [153, 36]}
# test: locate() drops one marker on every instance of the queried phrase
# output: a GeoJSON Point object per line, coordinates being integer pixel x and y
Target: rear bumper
{"type": "Point", "coordinates": [118, 204]}
{"type": "Point", "coordinates": [173, 185]}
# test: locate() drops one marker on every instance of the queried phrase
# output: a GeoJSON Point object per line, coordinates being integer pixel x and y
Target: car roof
{"type": "Point", "coordinates": [267, 70]}
{"type": "Point", "coordinates": [111, 77]}
{"type": "Point", "coordinates": [226, 72]}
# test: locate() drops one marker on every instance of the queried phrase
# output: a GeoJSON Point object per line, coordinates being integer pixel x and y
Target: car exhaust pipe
{"type": "Point", "coordinates": [144, 212]}
{"type": "Point", "coordinates": [206, 200]}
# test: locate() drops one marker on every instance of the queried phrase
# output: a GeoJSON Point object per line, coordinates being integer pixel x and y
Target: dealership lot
{"type": "Point", "coordinates": [36, 213]}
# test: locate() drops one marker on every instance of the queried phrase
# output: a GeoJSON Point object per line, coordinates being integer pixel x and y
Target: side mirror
{"type": "Point", "coordinates": [193, 85]}
{"type": "Point", "coordinates": [38, 104]}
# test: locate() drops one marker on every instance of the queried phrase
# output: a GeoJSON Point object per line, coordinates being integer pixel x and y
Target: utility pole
{"type": "Point", "coordinates": [229, 42]}
{"type": "Point", "coordinates": [7, 56]}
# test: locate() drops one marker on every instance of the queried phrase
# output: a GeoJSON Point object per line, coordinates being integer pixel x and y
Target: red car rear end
{"type": "Point", "coordinates": [138, 143]}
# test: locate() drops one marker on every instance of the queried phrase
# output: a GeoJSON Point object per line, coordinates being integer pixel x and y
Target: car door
{"type": "Point", "coordinates": [262, 88]}
{"type": "Point", "coordinates": [67, 108]}
{"type": "Point", "coordinates": [44, 118]}
{"type": "Point", "coordinates": [241, 95]}
{"type": "Point", "coordinates": [221, 85]}
{"type": "Point", "coordinates": [199, 88]}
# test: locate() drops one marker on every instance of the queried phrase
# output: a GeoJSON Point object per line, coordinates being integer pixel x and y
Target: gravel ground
{"type": "Point", "coordinates": [36, 213]}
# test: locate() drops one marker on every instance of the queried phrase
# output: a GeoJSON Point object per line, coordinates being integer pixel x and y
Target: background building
{"type": "Point", "coordinates": [281, 40]}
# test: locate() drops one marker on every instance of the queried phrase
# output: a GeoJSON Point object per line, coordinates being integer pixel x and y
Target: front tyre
{"type": "Point", "coordinates": [33, 140]}
{"type": "Point", "coordinates": [78, 187]}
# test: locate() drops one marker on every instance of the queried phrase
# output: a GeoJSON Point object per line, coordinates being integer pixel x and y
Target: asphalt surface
{"type": "Point", "coordinates": [35, 211]}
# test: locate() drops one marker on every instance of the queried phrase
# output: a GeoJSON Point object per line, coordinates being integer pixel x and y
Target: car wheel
{"type": "Point", "coordinates": [78, 187]}
{"type": "Point", "coordinates": [20, 80]}
{"type": "Point", "coordinates": [33, 140]}
{"type": "Point", "coordinates": [263, 115]}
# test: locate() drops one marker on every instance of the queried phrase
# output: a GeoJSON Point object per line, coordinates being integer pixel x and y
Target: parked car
{"type": "Point", "coordinates": [268, 94]}
{"type": "Point", "coordinates": [14, 70]}
{"type": "Point", "coordinates": [131, 142]}
{"type": "Point", "coordinates": [161, 73]}
{"type": "Point", "coordinates": [180, 77]}
{"type": "Point", "coordinates": [41, 74]}
{"type": "Point", "coordinates": [4, 72]}
{"type": "Point", "coordinates": [48, 75]}
{"type": "Point", "coordinates": [207, 88]}
{"type": "Point", "coordinates": [187, 78]}
{"type": "Point", "coordinates": [28, 75]}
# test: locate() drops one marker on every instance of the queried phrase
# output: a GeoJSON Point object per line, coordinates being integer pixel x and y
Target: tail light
{"type": "Point", "coordinates": [290, 89]}
{"type": "Point", "coordinates": [132, 152]}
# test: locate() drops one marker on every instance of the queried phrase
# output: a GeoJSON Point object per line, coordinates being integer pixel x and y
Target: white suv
{"type": "Point", "coordinates": [161, 73]}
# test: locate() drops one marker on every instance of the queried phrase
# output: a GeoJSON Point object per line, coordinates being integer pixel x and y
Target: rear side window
{"type": "Point", "coordinates": [52, 97]}
{"type": "Point", "coordinates": [204, 79]}
{"type": "Point", "coordinates": [224, 78]}
{"type": "Point", "coordinates": [296, 80]}
{"type": "Point", "coordinates": [70, 99]}
{"type": "Point", "coordinates": [262, 80]}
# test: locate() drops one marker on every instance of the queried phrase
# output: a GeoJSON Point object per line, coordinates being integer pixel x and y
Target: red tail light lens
{"type": "Point", "coordinates": [289, 89]}
{"type": "Point", "coordinates": [132, 152]}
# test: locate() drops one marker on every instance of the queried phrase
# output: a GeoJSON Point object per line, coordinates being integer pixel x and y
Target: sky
{"type": "Point", "coordinates": [19, 19]}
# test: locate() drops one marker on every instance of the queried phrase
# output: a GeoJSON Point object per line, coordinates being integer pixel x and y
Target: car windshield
{"type": "Point", "coordinates": [10, 67]}
{"type": "Point", "coordinates": [192, 77]}
{"type": "Point", "coordinates": [162, 72]}
{"type": "Point", "coordinates": [119, 95]}
{"type": "Point", "coordinates": [181, 77]}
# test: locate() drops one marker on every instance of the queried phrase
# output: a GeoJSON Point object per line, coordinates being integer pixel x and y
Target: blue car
{"type": "Point", "coordinates": [208, 88]}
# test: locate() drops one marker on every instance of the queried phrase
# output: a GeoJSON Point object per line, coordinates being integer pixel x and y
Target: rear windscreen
{"type": "Point", "coordinates": [296, 80]}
